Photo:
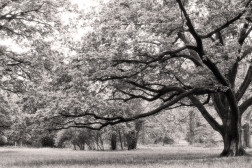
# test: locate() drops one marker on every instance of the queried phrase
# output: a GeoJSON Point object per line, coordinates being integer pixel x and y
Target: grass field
{"type": "Point", "coordinates": [145, 157]}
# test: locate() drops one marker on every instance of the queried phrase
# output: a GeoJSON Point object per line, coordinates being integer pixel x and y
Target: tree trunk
{"type": "Point", "coordinates": [246, 127]}
{"type": "Point", "coordinates": [243, 144]}
{"type": "Point", "coordinates": [101, 141]}
{"type": "Point", "coordinates": [192, 125]}
{"type": "Point", "coordinates": [82, 146]}
{"type": "Point", "coordinates": [232, 142]}
{"type": "Point", "coordinates": [247, 140]}
{"type": "Point", "coordinates": [232, 147]}
{"type": "Point", "coordinates": [113, 141]}
{"type": "Point", "coordinates": [120, 138]}
{"type": "Point", "coordinates": [231, 128]}
{"type": "Point", "coordinates": [131, 138]}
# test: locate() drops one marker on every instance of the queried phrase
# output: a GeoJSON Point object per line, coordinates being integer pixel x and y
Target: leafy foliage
{"type": "Point", "coordinates": [157, 51]}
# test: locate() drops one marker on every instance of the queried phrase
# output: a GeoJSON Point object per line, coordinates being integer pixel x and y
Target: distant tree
{"type": "Point", "coordinates": [80, 138]}
{"type": "Point", "coordinates": [192, 125]}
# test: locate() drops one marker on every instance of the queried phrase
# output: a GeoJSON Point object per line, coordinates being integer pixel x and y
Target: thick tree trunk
{"type": "Point", "coordinates": [231, 132]}
{"type": "Point", "coordinates": [232, 146]}
{"type": "Point", "coordinates": [232, 142]}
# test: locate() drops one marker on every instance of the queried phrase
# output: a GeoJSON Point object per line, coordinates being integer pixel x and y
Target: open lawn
{"type": "Point", "coordinates": [145, 157]}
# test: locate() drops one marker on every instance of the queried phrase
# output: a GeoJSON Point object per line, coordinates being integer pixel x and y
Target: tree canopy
{"type": "Point", "coordinates": [170, 54]}
{"type": "Point", "coordinates": [177, 53]}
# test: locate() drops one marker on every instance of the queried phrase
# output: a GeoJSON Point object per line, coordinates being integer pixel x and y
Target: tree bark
{"type": "Point", "coordinates": [232, 140]}
{"type": "Point", "coordinates": [232, 147]}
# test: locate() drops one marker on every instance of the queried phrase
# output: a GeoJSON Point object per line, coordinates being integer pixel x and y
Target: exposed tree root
{"type": "Point", "coordinates": [232, 153]}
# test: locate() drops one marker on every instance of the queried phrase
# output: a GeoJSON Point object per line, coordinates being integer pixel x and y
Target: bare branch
{"type": "Point", "coordinates": [232, 74]}
{"type": "Point", "coordinates": [116, 120]}
{"type": "Point", "coordinates": [244, 33]}
{"type": "Point", "coordinates": [215, 125]}
{"type": "Point", "coordinates": [245, 105]}
{"type": "Point", "coordinates": [189, 22]}
{"type": "Point", "coordinates": [142, 86]}
{"type": "Point", "coordinates": [245, 84]}
{"type": "Point", "coordinates": [245, 54]}
{"type": "Point", "coordinates": [158, 57]}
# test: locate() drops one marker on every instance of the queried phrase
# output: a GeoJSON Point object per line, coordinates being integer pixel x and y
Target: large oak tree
{"type": "Point", "coordinates": [181, 53]}
{"type": "Point", "coordinates": [177, 53]}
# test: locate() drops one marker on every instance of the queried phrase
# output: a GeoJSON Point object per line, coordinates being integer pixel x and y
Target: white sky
{"type": "Point", "coordinates": [84, 4]}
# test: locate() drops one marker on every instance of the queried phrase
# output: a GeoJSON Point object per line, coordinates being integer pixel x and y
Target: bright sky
{"type": "Point", "coordinates": [84, 4]}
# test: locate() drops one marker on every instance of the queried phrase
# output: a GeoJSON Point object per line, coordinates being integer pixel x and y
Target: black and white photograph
{"type": "Point", "coordinates": [125, 83]}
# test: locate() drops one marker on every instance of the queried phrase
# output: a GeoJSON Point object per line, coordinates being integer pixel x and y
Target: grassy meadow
{"type": "Point", "coordinates": [145, 157]}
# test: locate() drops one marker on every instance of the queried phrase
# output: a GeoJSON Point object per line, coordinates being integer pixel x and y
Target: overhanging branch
{"type": "Point", "coordinates": [105, 121]}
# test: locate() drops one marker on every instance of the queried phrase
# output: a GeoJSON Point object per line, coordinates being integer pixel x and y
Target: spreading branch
{"type": "Point", "coordinates": [245, 105]}
{"type": "Point", "coordinates": [245, 84]}
{"type": "Point", "coordinates": [228, 23]}
{"type": "Point", "coordinates": [105, 121]}
{"type": "Point", "coordinates": [215, 125]}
